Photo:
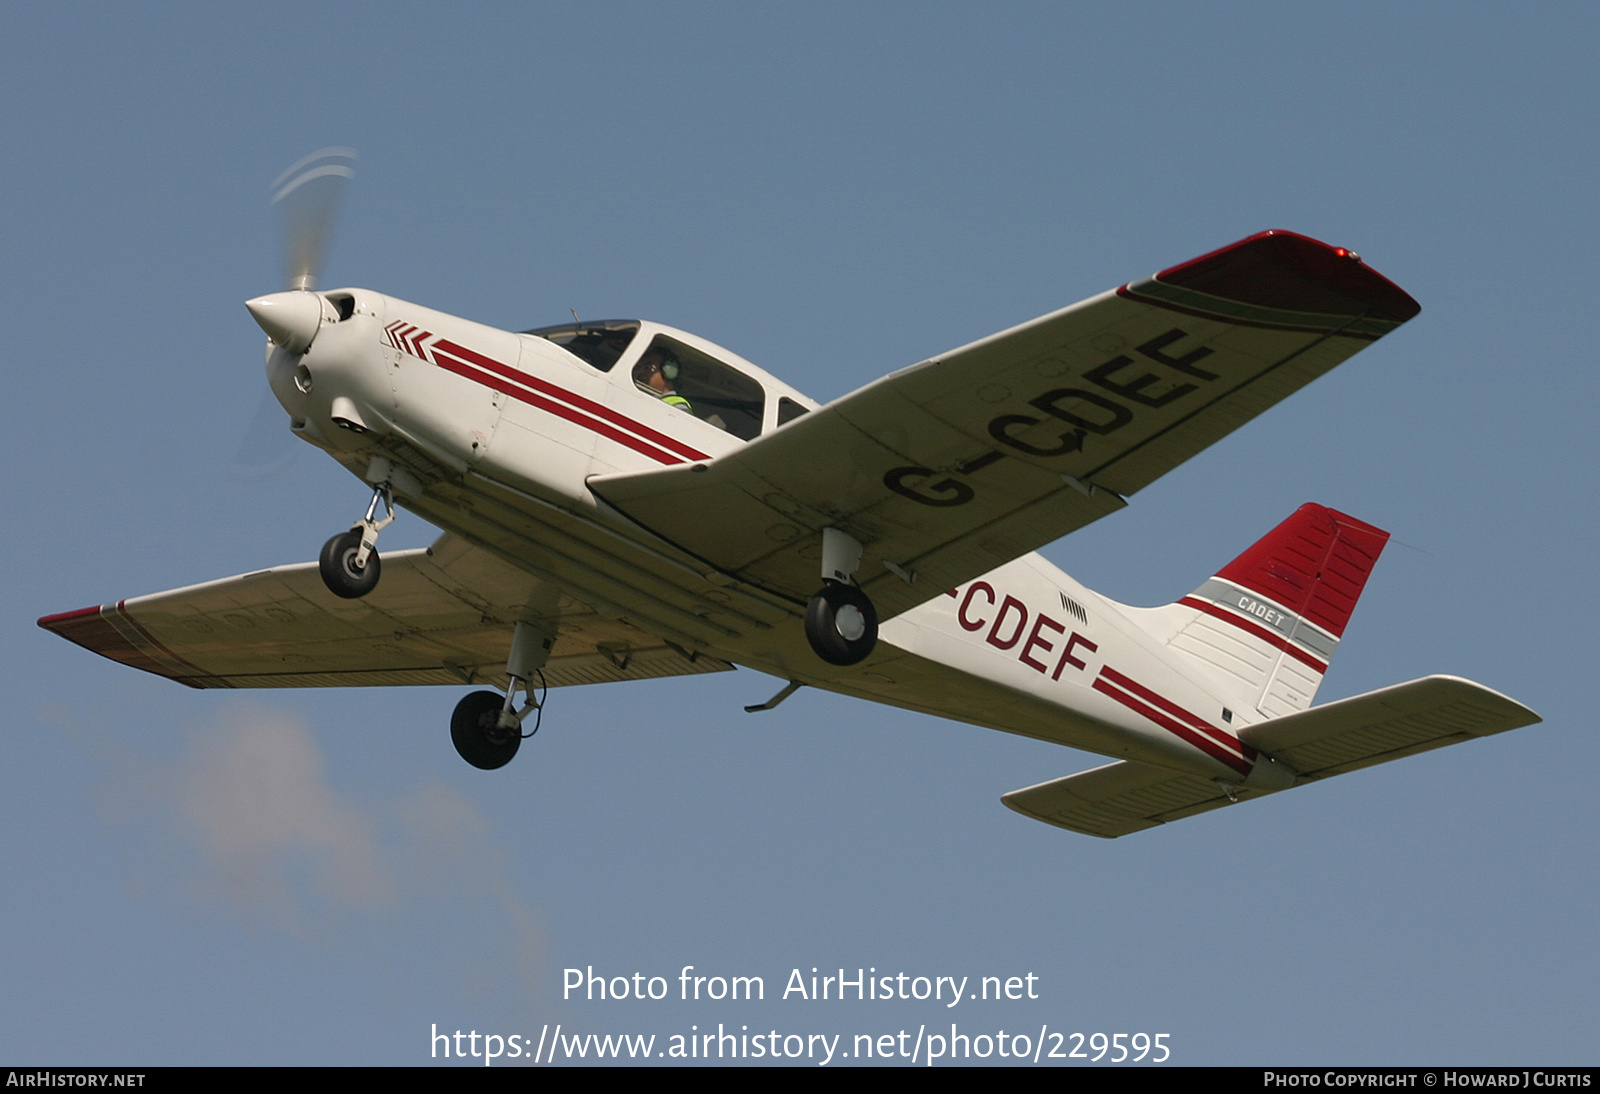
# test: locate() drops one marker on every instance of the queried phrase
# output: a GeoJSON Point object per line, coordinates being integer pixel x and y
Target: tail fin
{"type": "Point", "coordinates": [1267, 624]}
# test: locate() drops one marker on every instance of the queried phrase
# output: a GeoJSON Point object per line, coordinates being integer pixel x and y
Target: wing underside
{"type": "Point", "coordinates": [441, 615]}
{"type": "Point", "coordinates": [952, 467]}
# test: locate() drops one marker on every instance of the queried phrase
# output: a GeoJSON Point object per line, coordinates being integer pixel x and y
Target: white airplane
{"type": "Point", "coordinates": [622, 500]}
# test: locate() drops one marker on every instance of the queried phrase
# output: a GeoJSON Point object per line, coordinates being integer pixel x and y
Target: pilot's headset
{"type": "Point", "coordinates": [667, 366]}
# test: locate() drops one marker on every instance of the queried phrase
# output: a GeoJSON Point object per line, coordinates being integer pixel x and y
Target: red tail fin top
{"type": "Point", "coordinates": [1315, 564]}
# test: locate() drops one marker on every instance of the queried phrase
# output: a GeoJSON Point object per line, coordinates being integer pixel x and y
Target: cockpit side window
{"type": "Point", "coordinates": [598, 344]}
{"type": "Point", "coordinates": [701, 385]}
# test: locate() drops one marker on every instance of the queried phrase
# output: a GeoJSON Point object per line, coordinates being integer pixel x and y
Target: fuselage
{"type": "Point", "coordinates": [496, 435]}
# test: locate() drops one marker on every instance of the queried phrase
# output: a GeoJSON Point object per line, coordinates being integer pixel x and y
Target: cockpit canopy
{"type": "Point", "coordinates": [693, 374]}
{"type": "Point", "coordinates": [600, 344]}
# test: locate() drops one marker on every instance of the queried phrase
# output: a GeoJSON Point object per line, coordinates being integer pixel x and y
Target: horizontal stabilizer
{"type": "Point", "coordinates": [1328, 740]}
{"type": "Point", "coordinates": [1385, 725]}
{"type": "Point", "coordinates": [1119, 798]}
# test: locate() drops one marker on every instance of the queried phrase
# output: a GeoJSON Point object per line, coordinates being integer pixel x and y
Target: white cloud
{"type": "Point", "coordinates": [241, 822]}
{"type": "Point", "coordinates": [259, 809]}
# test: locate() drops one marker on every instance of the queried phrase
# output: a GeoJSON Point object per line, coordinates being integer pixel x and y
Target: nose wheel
{"type": "Point", "coordinates": [349, 561]}
{"type": "Point", "coordinates": [339, 570]}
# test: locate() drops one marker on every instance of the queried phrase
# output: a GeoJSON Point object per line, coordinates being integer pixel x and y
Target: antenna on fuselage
{"type": "Point", "coordinates": [575, 318]}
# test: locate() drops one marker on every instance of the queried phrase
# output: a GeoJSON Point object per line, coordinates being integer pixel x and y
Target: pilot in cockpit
{"type": "Point", "coordinates": [657, 373]}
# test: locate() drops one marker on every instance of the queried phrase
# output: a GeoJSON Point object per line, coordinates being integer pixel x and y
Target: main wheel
{"type": "Point", "coordinates": [841, 624]}
{"type": "Point", "coordinates": [476, 734]}
{"type": "Point", "coordinates": [338, 566]}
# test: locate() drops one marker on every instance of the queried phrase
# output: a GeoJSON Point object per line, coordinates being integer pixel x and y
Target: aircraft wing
{"type": "Point", "coordinates": [441, 615]}
{"type": "Point", "coordinates": [949, 468]}
{"type": "Point", "coordinates": [1318, 743]}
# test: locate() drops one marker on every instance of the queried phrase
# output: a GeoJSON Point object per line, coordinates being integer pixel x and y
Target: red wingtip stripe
{"type": "Point", "coordinates": [94, 631]}
{"type": "Point", "coordinates": [60, 622]}
{"type": "Point", "coordinates": [1292, 272]}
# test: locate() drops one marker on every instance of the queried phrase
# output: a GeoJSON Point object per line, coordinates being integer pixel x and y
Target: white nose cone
{"type": "Point", "coordinates": [291, 319]}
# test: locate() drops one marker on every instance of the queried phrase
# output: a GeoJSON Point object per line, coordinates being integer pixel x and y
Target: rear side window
{"type": "Point", "coordinates": [789, 410]}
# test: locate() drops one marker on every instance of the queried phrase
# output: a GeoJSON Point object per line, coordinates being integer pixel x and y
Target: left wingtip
{"type": "Point", "coordinates": [62, 622]}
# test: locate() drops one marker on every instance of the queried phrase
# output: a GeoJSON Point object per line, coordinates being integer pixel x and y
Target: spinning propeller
{"type": "Point", "coordinates": [308, 196]}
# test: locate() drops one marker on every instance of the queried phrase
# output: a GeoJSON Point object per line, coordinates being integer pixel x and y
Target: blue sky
{"type": "Point", "coordinates": [832, 191]}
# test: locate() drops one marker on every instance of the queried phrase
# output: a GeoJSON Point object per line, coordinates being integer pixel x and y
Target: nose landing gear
{"type": "Point", "coordinates": [349, 562]}
{"type": "Point", "coordinates": [841, 623]}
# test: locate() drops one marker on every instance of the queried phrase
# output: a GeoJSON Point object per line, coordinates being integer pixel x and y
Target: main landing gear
{"type": "Point", "coordinates": [841, 623]}
{"type": "Point", "coordinates": [486, 727]}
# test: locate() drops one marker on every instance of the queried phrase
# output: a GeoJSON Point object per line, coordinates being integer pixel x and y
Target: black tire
{"type": "Point", "coordinates": [841, 639]}
{"type": "Point", "coordinates": [476, 737]}
{"type": "Point", "coordinates": [338, 568]}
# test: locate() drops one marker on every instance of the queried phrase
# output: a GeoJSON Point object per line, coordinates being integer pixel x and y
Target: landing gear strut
{"type": "Point", "coordinates": [486, 727]}
{"type": "Point", "coordinates": [841, 623]}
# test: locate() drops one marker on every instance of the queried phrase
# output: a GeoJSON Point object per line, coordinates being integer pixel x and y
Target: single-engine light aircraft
{"type": "Point", "coordinates": [622, 500]}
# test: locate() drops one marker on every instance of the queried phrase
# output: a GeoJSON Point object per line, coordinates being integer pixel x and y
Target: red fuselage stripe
{"type": "Point", "coordinates": [1271, 639]}
{"type": "Point", "coordinates": [1216, 733]}
{"type": "Point", "coordinates": [672, 444]}
{"type": "Point", "coordinates": [1177, 729]}
{"type": "Point", "coordinates": [460, 368]}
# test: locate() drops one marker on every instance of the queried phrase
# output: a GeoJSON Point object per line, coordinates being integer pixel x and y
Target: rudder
{"type": "Point", "coordinates": [1271, 619]}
